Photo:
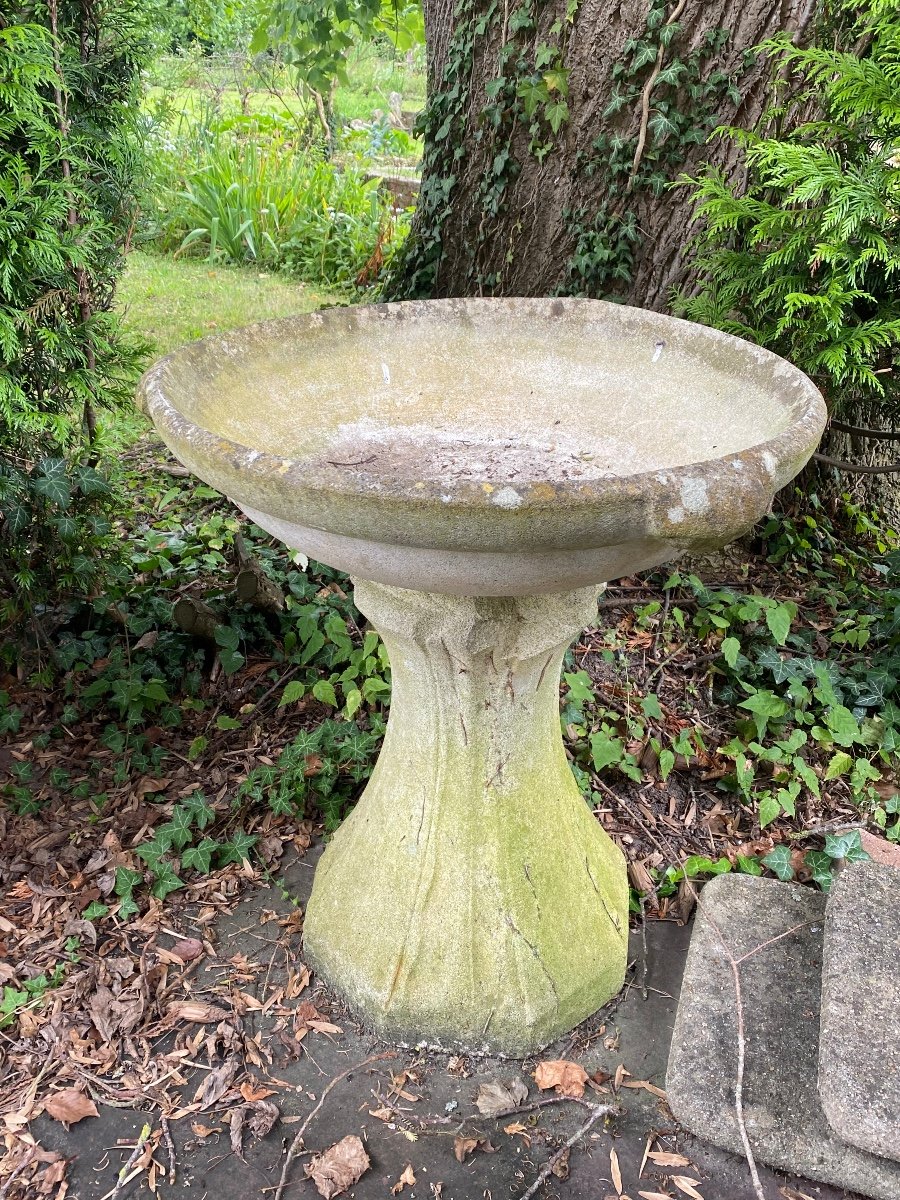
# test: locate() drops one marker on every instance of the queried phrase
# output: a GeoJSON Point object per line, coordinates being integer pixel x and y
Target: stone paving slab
{"type": "Point", "coordinates": [859, 1055]}
{"type": "Point", "coordinates": [781, 992]}
{"type": "Point", "coordinates": [633, 1033]}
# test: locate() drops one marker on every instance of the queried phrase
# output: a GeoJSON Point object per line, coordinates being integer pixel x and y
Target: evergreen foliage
{"type": "Point", "coordinates": [805, 258]}
{"type": "Point", "coordinates": [69, 154]}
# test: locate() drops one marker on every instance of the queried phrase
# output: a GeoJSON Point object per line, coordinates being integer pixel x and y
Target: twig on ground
{"type": "Point", "coordinates": [601, 1110]}
{"type": "Point", "coordinates": [170, 1147]}
{"type": "Point", "coordinates": [26, 1162]}
{"type": "Point", "coordinates": [836, 826]}
{"type": "Point", "coordinates": [126, 1174]}
{"type": "Point", "coordinates": [294, 1148]}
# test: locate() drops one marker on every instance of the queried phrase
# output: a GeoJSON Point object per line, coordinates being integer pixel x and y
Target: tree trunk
{"type": "Point", "coordinates": [555, 129]}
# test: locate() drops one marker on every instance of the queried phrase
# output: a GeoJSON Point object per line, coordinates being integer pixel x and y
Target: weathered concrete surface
{"type": "Point", "coordinates": [781, 990]}
{"type": "Point", "coordinates": [633, 1033]}
{"type": "Point", "coordinates": [472, 900]}
{"type": "Point", "coordinates": [859, 1055]}
{"type": "Point", "coordinates": [489, 447]}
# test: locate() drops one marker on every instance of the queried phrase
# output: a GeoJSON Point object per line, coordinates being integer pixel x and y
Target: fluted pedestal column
{"type": "Point", "coordinates": [471, 900]}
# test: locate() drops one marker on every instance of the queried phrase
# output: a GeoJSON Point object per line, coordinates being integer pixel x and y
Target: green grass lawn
{"type": "Point", "coordinates": [172, 301]}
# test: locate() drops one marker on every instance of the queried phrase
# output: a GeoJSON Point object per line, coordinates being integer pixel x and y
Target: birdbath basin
{"type": "Point", "coordinates": [481, 468]}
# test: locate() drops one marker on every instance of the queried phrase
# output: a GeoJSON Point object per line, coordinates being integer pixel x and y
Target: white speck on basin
{"type": "Point", "coordinates": [676, 515]}
{"type": "Point", "coordinates": [693, 495]}
{"type": "Point", "coordinates": [507, 498]}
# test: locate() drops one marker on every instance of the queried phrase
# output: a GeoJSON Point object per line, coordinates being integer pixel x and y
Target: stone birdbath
{"type": "Point", "coordinates": [480, 468]}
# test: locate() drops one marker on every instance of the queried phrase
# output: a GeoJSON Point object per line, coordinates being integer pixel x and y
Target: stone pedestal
{"type": "Point", "coordinates": [471, 900]}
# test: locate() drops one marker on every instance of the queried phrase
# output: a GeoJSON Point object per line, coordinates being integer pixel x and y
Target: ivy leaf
{"type": "Point", "coordinates": [819, 865]}
{"type": "Point", "coordinates": [557, 114]}
{"type": "Point", "coordinates": [781, 669]}
{"type": "Point", "coordinates": [202, 812]}
{"type": "Point", "coordinates": [778, 860]}
{"type": "Point", "coordinates": [238, 848]}
{"type": "Point", "coordinates": [846, 846]}
{"type": "Point", "coordinates": [180, 827]}
{"type": "Point", "coordinates": [165, 880]}
{"type": "Point", "coordinates": [199, 857]}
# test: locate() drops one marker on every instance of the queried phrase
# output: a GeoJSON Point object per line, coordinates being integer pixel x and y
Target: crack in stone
{"type": "Point", "coordinates": [533, 889]}
{"type": "Point", "coordinates": [534, 950]}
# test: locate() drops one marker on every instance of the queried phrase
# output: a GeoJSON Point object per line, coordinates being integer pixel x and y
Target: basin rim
{"type": "Point", "coordinates": [358, 502]}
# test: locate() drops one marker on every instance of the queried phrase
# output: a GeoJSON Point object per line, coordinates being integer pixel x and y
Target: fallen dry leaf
{"type": "Point", "coordinates": [383, 1114]}
{"type": "Point", "coordinates": [790, 1193]}
{"type": "Point", "coordinates": [615, 1171]}
{"type": "Point", "coordinates": [252, 1092]}
{"type": "Point", "coordinates": [339, 1167]}
{"type": "Point", "coordinates": [216, 1084]}
{"type": "Point", "coordinates": [204, 1131]}
{"type": "Point", "coordinates": [494, 1099]}
{"type": "Point", "coordinates": [663, 1158]}
{"type": "Point", "coordinates": [567, 1078]}
{"type": "Point", "coordinates": [655, 1196]}
{"type": "Point", "coordinates": [645, 1086]}
{"type": "Point", "coordinates": [463, 1146]}
{"type": "Point", "coordinates": [685, 1184]}
{"type": "Point", "coordinates": [70, 1106]}
{"type": "Point", "coordinates": [195, 1010]}
{"type": "Point", "coordinates": [407, 1179]}
{"type": "Point", "coordinates": [560, 1166]}
{"type": "Point", "coordinates": [518, 1127]}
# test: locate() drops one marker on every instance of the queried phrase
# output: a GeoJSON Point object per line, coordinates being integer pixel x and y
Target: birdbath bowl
{"type": "Point", "coordinates": [480, 468]}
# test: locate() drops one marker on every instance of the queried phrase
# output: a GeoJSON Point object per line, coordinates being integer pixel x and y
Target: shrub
{"type": "Point", "coordinates": [68, 157]}
{"type": "Point", "coordinates": [806, 258]}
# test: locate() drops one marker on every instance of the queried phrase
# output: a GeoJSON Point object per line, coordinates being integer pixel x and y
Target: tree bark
{"type": "Point", "coordinates": [511, 206]}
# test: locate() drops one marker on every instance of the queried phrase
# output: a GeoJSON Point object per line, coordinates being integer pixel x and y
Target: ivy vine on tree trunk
{"type": "Point", "coordinates": [554, 128]}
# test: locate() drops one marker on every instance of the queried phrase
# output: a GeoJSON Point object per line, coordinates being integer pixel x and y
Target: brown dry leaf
{"type": "Point", "coordinates": [517, 1127]}
{"type": "Point", "coordinates": [464, 1145]}
{"type": "Point", "coordinates": [324, 1026]}
{"type": "Point", "coordinates": [195, 1010]}
{"type": "Point", "coordinates": [494, 1099]}
{"type": "Point", "coordinates": [663, 1158]}
{"type": "Point", "coordinates": [383, 1114]}
{"type": "Point", "coordinates": [261, 1117]}
{"type": "Point", "coordinates": [204, 1131]}
{"type": "Point", "coordinates": [250, 1092]}
{"type": "Point", "coordinates": [567, 1078]}
{"type": "Point", "coordinates": [70, 1106]}
{"type": "Point", "coordinates": [216, 1084]}
{"type": "Point", "coordinates": [655, 1195]}
{"type": "Point", "coordinates": [236, 1125]}
{"type": "Point", "coordinates": [646, 1086]}
{"type": "Point", "coordinates": [407, 1179]}
{"type": "Point", "coordinates": [615, 1171]}
{"type": "Point", "coordinates": [560, 1167]}
{"type": "Point", "coordinates": [339, 1167]}
{"type": "Point", "coordinates": [790, 1193]}
{"type": "Point", "coordinates": [685, 1184]}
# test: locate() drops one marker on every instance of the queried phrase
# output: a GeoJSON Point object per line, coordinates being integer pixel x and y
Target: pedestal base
{"type": "Point", "coordinates": [471, 900]}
